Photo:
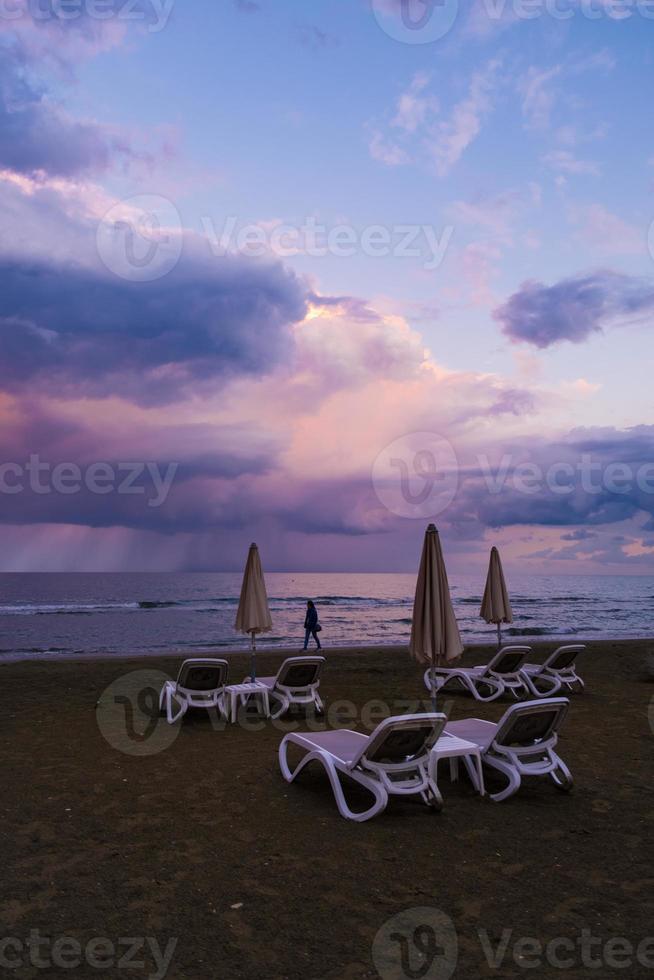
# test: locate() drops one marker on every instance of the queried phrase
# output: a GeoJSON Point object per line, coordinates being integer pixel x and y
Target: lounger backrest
{"type": "Point", "coordinates": [564, 657]}
{"type": "Point", "coordinates": [508, 660]}
{"type": "Point", "coordinates": [404, 739]}
{"type": "Point", "coordinates": [203, 675]}
{"type": "Point", "coordinates": [300, 672]}
{"type": "Point", "coordinates": [531, 722]}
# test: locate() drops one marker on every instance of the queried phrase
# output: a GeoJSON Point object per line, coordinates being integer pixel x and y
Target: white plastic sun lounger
{"type": "Point", "coordinates": [521, 744]}
{"type": "Point", "coordinates": [488, 682]}
{"type": "Point", "coordinates": [559, 670]}
{"type": "Point", "coordinates": [200, 684]}
{"type": "Point", "coordinates": [392, 761]}
{"type": "Point", "coordinates": [297, 682]}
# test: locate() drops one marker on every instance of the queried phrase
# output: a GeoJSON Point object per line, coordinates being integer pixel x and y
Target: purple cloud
{"type": "Point", "coordinates": [36, 135]}
{"type": "Point", "coordinates": [72, 330]}
{"type": "Point", "coordinates": [593, 477]}
{"type": "Point", "coordinates": [38, 40]}
{"type": "Point", "coordinates": [573, 309]}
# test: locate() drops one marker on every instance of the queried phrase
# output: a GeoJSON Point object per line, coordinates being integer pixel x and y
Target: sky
{"type": "Point", "coordinates": [316, 275]}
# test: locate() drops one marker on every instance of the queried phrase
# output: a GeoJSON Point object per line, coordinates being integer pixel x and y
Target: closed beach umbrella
{"type": "Point", "coordinates": [495, 605]}
{"type": "Point", "coordinates": [435, 637]}
{"type": "Point", "coordinates": [253, 614]}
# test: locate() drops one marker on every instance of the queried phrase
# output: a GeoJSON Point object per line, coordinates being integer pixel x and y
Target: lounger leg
{"type": "Point", "coordinates": [284, 705]}
{"type": "Point", "coordinates": [511, 774]}
{"type": "Point", "coordinates": [561, 776]}
{"type": "Point", "coordinates": [475, 770]}
{"type": "Point", "coordinates": [530, 683]}
{"type": "Point", "coordinates": [171, 697]}
{"type": "Point", "coordinates": [332, 770]}
{"type": "Point", "coordinates": [496, 690]}
{"type": "Point", "coordinates": [432, 795]}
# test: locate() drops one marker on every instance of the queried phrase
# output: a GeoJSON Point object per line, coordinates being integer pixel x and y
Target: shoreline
{"type": "Point", "coordinates": [642, 645]}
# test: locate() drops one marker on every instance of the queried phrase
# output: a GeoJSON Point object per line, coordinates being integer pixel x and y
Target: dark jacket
{"type": "Point", "coordinates": [311, 621]}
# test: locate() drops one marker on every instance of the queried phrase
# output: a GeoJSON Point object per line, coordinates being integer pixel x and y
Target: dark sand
{"type": "Point", "coordinates": [95, 842]}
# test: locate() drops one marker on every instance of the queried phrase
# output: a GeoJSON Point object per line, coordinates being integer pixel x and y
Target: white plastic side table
{"type": "Point", "coordinates": [245, 692]}
{"type": "Point", "coordinates": [453, 748]}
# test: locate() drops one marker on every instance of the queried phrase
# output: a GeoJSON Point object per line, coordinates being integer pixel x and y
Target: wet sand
{"type": "Point", "coordinates": [200, 840]}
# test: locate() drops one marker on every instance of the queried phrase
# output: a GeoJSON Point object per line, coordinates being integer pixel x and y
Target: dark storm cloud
{"type": "Point", "coordinates": [175, 478]}
{"type": "Point", "coordinates": [69, 329]}
{"type": "Point", "coordinates": [594, 477]}
{"type": "Point", "coordinates": [574, 309]}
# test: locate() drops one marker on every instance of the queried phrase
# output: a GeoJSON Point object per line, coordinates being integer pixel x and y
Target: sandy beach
{"type": "Point", "coordinates": [200, 840]}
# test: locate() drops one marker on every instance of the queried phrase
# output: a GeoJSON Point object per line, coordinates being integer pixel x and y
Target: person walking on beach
{"type": "Point", "coordinates": [311, 625]}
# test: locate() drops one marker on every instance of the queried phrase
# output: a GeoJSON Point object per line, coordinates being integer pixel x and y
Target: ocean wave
{"type": "Point", "coordinates": [529, 631]}
{"type": "Point", "coordinates": [64, 609]}
{"type": "Point", "coordinates": [152, 604]}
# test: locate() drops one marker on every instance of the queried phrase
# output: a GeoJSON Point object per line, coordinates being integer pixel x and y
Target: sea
{"type": "Point", "coordinates": [61, 616]}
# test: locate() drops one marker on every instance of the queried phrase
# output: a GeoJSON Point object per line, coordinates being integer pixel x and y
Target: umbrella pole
{"type": "Point", "coordinates": [253, 668]}
{"type": "Point", "coordinates": [433, 686]}
{"type": "Point", "coordinates": [499, 634]}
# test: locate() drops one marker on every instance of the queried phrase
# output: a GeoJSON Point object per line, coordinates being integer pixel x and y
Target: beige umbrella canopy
{"type": "Point", "coordinates": [435, 637]}
{"type": "Point", "coordinates": [253, 614]}
{"type": "Point", "coordinates": [495, 605]}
